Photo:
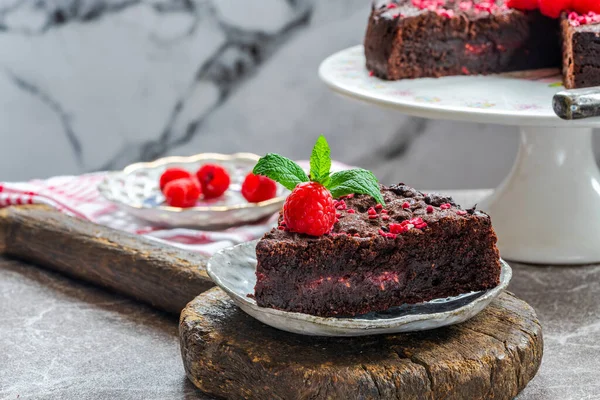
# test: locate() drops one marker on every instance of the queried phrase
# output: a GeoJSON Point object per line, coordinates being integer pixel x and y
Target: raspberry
{"type": "Point", "coordinates": [257, 188]}
{"type": "Point", "coordinates": [553, 8]}
{"type": "Point", "coordinates": [309, 209]}
{"type": "Point", "coordinates": [183, 192]}
{"type": "Point", "coordinates": [171, 174]}
{"type": "Point", "coordinates": [585, 6]}
{"type": "Point", "coordinates": [214, 180]}
{"type": "Point", "coordinates": [522, 4]}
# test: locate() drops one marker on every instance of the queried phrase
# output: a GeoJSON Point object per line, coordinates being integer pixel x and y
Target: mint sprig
{"type": "Point", "coordinates": [290, 174]}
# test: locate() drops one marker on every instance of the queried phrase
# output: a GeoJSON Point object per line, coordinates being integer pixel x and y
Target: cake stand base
{"type": "Point", "coordinates": [548, 208]}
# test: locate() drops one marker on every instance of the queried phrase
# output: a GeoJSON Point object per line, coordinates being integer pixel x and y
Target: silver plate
{"type": "Point", "coordinates": [233, 270]}
{"type": "Point", "coordinates": [136, 190]}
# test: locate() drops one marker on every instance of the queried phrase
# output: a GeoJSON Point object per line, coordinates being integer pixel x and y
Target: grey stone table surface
{"type": "Point", "coordinates": [65, 339]}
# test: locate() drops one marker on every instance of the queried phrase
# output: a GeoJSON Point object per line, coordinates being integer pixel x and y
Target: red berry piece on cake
{"type": "Point", "coordinates": [183, 192]}
{"type": "Point", "coordinates": [172, 174]}
{"type": "Point", "coordinates": [257, 188]}
{"type": "Point", "coordinates": [213, 179]}
{"type": "Point", "coordinates": [310, 208]}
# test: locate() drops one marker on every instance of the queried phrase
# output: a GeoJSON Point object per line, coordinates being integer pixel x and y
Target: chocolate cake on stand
{"type": "Point", "coordinates": [546, 210]}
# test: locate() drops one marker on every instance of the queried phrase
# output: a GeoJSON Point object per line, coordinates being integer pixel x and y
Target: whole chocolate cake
{"type": "Point", "coordinates": [434, 38]}
{"type": "Point", "coordinates": [417, 248]}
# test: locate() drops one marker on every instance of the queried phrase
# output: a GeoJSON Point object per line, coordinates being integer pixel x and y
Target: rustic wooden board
{"type": "Point", "coordinates": [229, 354]}
{"type": "Point", "coordinates": [161, 275]}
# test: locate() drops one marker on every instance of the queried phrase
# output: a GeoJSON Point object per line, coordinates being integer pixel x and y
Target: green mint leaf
{"type": "Point", "coordinates": [359, 181]}
{"type": "Point", "coordinates": [280, 169]}
{"type": "Point", "coordinates": [320, 161]}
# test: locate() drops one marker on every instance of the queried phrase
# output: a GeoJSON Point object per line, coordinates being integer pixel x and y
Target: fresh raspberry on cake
{"type": "Point", "coordinates": [257, 188]}
{"type": "Point", "coordinates": [171, 174]}
{"type": "Point", "coordinates": [309, 209]}
{"type": "Point", "coordinates": [183, 192]}
{"type": "Point", "coordinates": [214, 180]}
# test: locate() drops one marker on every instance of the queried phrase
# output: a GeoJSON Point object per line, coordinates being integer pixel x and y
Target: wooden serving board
{"type": "Point", "coordinates": [231, 355]}
{"type": "Point", "coordinates": [161, 275]}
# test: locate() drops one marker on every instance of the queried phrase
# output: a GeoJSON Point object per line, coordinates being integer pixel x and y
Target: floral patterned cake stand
{"type": "Point", "coordinates": [547, 210]}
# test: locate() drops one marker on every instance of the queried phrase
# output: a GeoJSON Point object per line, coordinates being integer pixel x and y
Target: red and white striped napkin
{"type": "Point", "coordinates": [78, 197]}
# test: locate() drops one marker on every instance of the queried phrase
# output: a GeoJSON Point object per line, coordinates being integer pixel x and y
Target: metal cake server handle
{"type": "Point", "coordinates": [577, 103]}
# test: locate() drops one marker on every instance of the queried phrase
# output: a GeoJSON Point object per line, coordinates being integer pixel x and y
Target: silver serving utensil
{"type": "Point", "coordinates": [577, 103]}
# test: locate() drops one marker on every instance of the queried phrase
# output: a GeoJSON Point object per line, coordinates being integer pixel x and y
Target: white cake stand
{"type": "Point", "coordinates": [547, 210]}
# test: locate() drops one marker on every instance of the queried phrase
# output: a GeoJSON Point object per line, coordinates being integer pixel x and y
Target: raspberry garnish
{"type": "Point", "coordinates": [257, 188]}
{"type": "Point", "coordinates": [213, 179]}
{"type": "Point", "coordinates": [400, 228]}
{"type": "Point", "coordinates": [429, 209]}
{"type": "Point", "coordinates": [387, 234]}
{"type": "Point", "coordinates": [171, 174]}
{"type": "Point", "coordinates": [183, 192]}
{"type": "Point", "coordinates": [406, 205]}
{"type": "Point", "coordinates": [446, 206]}
{"type": "Point", "coordinates": [407, 225]}
{"type": "Point", "coordinates": [339, 205]}
{"type": "Point", "coordinates": [309, 209]}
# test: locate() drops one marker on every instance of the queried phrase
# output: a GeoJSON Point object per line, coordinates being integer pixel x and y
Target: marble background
{"type": "Point", "coordinates": [90, 85]}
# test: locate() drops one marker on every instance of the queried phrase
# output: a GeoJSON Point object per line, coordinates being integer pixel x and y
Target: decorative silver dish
{"type": "Point", "coordinates": [233, 270]}
{"type": "Point", "coordinates": [136, 190]}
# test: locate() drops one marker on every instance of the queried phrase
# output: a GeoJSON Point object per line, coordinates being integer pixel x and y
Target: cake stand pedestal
{"type": "Point", "coordinates": [547, 210]}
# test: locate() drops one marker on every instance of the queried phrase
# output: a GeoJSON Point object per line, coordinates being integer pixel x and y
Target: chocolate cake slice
{"type": "Point", "coordinates": [417, 248]}
{"type": "Point", "coordinates": [581, 53]}
{"type": "Point", "coordinates": [426, 38]}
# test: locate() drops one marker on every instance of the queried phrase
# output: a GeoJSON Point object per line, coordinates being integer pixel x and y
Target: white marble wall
{"type": "Point", "coordinates": [98, 84]}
